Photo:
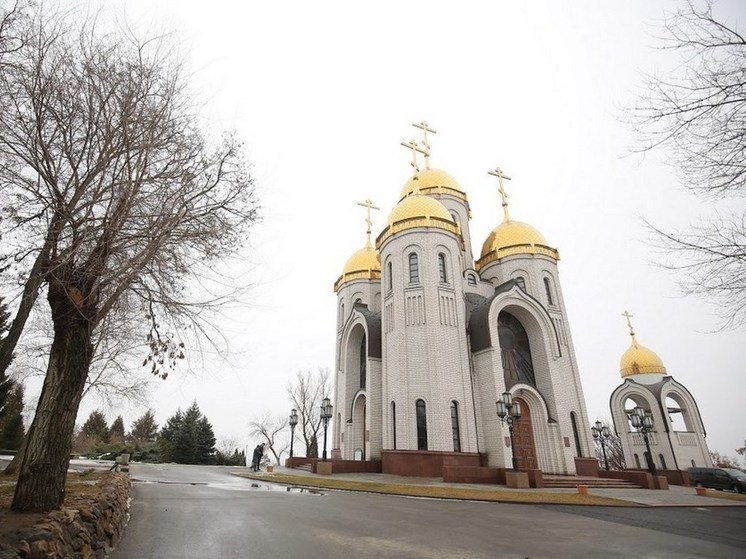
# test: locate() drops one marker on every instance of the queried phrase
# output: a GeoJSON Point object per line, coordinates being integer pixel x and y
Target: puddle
{"type": "Point", "coordinates": [285, 488]}
{"type": "Point", "coordinates": [254, 486]}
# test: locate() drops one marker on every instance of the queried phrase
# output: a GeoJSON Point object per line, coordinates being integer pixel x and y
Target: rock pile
{"type": "Point", "coordinates": [88, 528]}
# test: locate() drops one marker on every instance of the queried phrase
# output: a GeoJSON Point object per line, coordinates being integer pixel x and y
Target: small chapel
{"type": "Point", "coordinates": [676, 438]}
{"type": "Point", "coordinates": [434, 332]}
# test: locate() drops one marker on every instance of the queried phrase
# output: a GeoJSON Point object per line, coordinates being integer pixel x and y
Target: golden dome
{"type": "Point", "coordinates": [418, 210]}
{"type": "Point", "coordinates": [364, 264]}
{"type": "Point", "coordinates": [432, 180]}
{"type": "Point", "coordinates": [639, 360]}
{"type": "Point", "coordinates": [514, 237]}
{"type": "Point", "coordinates": [418, 206]}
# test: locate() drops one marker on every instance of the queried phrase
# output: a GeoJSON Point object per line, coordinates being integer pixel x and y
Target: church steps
{"type": "Point", "coordinates": [558, 482]}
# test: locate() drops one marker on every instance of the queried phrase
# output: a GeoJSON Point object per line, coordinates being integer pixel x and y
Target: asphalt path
{"type": "Point", "coordinates": [205, 512]}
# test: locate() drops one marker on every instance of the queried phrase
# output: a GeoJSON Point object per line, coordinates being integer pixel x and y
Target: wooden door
{"type": "Point", "coordinates": [523, 439]}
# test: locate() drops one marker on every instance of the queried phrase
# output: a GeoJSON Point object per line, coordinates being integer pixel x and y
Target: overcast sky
{"type": "Point", "coordinates": [323, 93]}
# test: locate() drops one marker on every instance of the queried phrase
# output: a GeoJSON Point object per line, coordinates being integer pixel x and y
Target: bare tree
{"type": "Point", "coordinates": [723, 461]}
{"type": "Point", "coordinates": [99, 139]}
{"type": "Point", "coordinates": [698, 114]}
{"type": "Point", "coordinates": [306, 394]}
{"type": "Point", "coordinates": [271, 429]}
{"type": "Point", "coordinates": [613, 448]}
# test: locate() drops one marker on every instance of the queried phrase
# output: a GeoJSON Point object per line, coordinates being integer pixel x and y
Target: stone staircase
{"type": "Point", "coordinates": [571, 482]}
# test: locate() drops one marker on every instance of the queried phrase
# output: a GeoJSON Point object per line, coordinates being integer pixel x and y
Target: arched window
{"type": "Point", "coordinates": [521, 282]}
{"type": "Point", "coordinates": [454, 427]}
{"type": "Point", "coordinates": [414, 269]}
{"type": "Point", "coordinates": [471, 279]}
{"type": "Point", "coordinates": [663, 461]}
{"type": "Point", "coordinates": [575, 433]}
{"type": "Point", "coordinates": [548, 289]}
{"type": "Point", "coordinates": [363, 362]}
{"type": "Point", "coordinates": [389, 277]}
{"type": "Point", "coordinates": [637, 461]}
{"type": "Point", "coordinates": [515, 350]}
{"type": "Point", "coordinates": [421, 425]}
{"type": "Point", "coordinates": [393, 422]}
{"type": "Point", "coordinates": [442, 268]}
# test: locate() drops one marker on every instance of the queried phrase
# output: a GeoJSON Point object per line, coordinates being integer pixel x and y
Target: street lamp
{"type": "Point", "coordinates": [293, 422]}
{"type": "Point", "coordinates": [601, 434]}
{"type": "Point", "coordinates": [509, 411]}
{"type": "Point", "coordinates": [326, 414]}
{"type": "Point", "coordinates": [643, 421]}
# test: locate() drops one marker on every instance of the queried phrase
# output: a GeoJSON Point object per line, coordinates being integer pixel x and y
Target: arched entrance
{"type": "Point", "coordinates": [523, 439]}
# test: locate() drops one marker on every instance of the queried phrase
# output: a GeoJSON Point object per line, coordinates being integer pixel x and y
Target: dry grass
{"type": "Point", "coordinates": [442, 492]}
{"type": "Point", "coordinates": [79, 485]}
{"type": "Point", "coordinates": [724, 495]}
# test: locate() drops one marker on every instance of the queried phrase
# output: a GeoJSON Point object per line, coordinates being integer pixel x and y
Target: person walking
{"type": "Point", "coordinates": [256, 458]}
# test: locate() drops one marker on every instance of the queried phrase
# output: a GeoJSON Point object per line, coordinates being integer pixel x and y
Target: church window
{"type": "Point", "coordinates": [454, 427]}
{"type": "Point", "coordinates": [414, 269]}
{"type": "Point", "coordinates": [521, 282]}
{"type": "Point", "coordinates": [389, 277]}
{"type": "Point", "coordinates": [548, 289]}
{"type": "Point", "coordinates": [421, 425]}
{"type": "Point", "coordinates": [393, 422]}
{"type": "Point", "coordinates": [575, 433]}
{"type": "Point", "coordinates": [663, 461]}
{"type": "Point", "coordinates": [442, 268]}
{"type": "Point", "coordinates": [515, 351]}
{"type": "Point", "coordinates": [694, 464]}
{"type": "Point", "coordinates": [471, 279]}
{"type": "Point", "coordinates": [637, 461]}
{"type": "Point", "coordinates": [363, 362]}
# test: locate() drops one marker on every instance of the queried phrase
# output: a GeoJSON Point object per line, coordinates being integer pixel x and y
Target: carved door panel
{"type": "Point", "coordinates": [523, 440]}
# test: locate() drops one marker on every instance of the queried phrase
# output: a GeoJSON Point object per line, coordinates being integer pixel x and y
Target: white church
{"type": "Point", "coordinates": [430, 334]}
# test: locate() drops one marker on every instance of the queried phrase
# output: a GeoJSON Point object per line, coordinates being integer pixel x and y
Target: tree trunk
{"type": "Point", "coordinates": [41, 481]}
{"type": "Point", "coordinates": [28, 298]}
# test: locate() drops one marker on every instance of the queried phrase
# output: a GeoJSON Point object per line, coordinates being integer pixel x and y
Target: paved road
{"type": "Point", "coordinates": [204, 512]}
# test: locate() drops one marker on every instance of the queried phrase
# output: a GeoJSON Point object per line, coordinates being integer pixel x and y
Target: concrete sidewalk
{"type": "Point", "coordinates": [675, 496]}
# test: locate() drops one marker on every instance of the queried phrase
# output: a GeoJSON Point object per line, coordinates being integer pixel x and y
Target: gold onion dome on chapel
{"type": "Point", "coordinates": [639, 360]}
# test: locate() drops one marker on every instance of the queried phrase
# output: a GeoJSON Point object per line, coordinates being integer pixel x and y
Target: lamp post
{"type": "Point", "coordinates": [601, 434]}
{"type": "Point", "coordinates": [643, 421]}
{"type": "Point", "coordinates": [326, 414]}
{"type": "Point", "coordinates": [293, 422]}
{"type": "Point", "coordinates": [509, 411]}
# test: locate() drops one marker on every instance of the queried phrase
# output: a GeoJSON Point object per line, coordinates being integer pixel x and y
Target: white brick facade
{"type": "Point", "coordinates": [434, 338]}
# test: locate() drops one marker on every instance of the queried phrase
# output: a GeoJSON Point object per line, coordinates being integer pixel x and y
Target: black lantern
{"type": "Point", "coordinates": [509, 411]}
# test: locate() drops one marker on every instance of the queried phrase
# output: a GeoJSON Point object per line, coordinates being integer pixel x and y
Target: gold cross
{"type": "Point", "coordinates": [498, 172]}
{"type": "Point", "coordinates": [629, 322]}
{"type": "Point", "coordinates": [369, 205]}
{"type": "Point", "coordinates": [425, 129]}
{"type": "Point", "coordinates": [415, 150]}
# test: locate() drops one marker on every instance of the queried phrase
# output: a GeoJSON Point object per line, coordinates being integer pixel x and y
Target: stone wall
{"type": "Point", "coordinates": [88, 531]}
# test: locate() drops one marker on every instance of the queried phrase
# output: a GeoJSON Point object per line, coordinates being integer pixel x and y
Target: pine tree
{"type": "Point", "coordinates": [95, 426]}
{"type": "Point", "coordinates": [168, 434]}
{"type": "Point", "coordinates": [144, 429]}
{"type": "Point", "coordinates": [116, 431]}
{"type": "Point", "coordinates": [11, 418]}
{"type": "Point", "coordinates": [204, 443]}
{"type": "Point", "coordinates": [188, 438]}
